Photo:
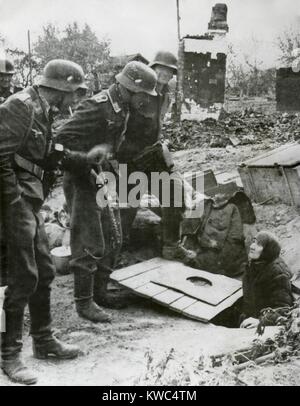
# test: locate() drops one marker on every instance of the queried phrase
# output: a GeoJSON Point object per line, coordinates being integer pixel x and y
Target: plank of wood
{"type": "Point", "coordinates": [205, 312]}
{"type": "Point", "coordinates": [150, 290]}
{"type": "Point", "coordinates": [141, 279]}
{"type": "Point", "coordinates": [221, 286]}
{"type": "Point", "coordinates": [168, 296]}
{"type": "Point", "coordinates": [133, 270]}
{"type": "Point", "coordinates": [183, 303]}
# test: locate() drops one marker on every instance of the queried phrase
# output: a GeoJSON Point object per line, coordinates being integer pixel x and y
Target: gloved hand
{"type": "Point", "coordinates": [97, 154]}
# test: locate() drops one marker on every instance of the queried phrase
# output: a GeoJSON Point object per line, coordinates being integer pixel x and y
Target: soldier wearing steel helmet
{"type": "Point", "coordinates": [144, 126]}
{"type": "Point", "coordinates": [144, 130]}
{"type": "Point", "coordinates": [101, 119]}
{"type": "Point", "coordinates": [7, 70]}
{"type": "Point", "coordinates": [27, 153]}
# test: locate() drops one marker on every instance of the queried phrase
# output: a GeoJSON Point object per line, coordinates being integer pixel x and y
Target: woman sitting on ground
{"type": "Point", "coordinates": [266, 280]}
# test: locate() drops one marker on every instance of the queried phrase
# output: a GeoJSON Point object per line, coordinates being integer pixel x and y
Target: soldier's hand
{"type": "Point", "coordinates": [97, 154]}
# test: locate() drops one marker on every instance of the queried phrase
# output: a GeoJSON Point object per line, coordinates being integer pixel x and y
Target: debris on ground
{"type": "Point", "coordinates": [248, 127]}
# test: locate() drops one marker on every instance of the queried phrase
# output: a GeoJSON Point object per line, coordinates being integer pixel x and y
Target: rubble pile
{"type": "Point", "coordinates": [236, 128]}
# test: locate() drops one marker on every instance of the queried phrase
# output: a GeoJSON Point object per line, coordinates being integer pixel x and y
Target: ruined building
{"type": "Point", "coordinates": [287, 90]}
{"type": "Point", "coordinates": [202, 68]}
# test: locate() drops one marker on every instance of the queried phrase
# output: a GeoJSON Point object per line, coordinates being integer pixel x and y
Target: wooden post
{"type": "Point", "coordinates": [178, 94]}
{"type": "Point", "coordinates": [178, 20]}
{"type": "Point", "coordinates": [29, 58]}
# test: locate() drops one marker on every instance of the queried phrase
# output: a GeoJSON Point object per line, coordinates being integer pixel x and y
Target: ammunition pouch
{"type": "Point", "coordinates": [156, 158]}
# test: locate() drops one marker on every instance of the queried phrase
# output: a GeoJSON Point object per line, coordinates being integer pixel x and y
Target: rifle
{"type": "Point", "coordinates": [114, 222]}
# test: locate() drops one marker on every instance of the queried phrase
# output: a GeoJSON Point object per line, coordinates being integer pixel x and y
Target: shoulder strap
{"type": "Point", "coordinates": [30, 123]}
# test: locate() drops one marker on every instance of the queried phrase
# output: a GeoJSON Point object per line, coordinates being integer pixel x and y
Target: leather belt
{"type": "Point", "coordinates": [29, 166]}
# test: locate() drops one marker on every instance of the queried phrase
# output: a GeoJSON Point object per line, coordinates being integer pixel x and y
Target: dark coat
{"type": "Point", "coordinates": [221, 226]}
{"type": "Point", "coordinates": [25, 129]}
{"type": "Point", "coordinates": [6, 93]}
{"type": "Point", "coordinates": [266, 284]}
{"type": "Point", "coordinates": [100, 119]}
{"type": "Point", "coordinates": [144, 126]}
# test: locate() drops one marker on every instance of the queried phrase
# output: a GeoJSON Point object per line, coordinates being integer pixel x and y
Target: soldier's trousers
{"type": "Point", "coordinates": [91, 235]}
{"type": "Point", "coordinates": [30, 273]}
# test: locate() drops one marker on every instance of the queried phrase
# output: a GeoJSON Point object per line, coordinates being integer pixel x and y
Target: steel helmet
{"type": "Point", "coordinates": [6, 66]}
{"type": "Point", "coordinates": [63, 75]}
{"type": "Point", "coordinates": [165, 58]}
{"type": "Point", "coordinates": [138, 78]}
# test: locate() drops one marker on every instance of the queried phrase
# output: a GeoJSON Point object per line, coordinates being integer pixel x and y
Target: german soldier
{"type": "Point", "coordinates": [144, 130]}
{"type": "Point", "coordinates": [95, 232]}
{"type": "Point", "coordinates": [7, 70]}
{"type": "Point", "coordinates": [26, 155]}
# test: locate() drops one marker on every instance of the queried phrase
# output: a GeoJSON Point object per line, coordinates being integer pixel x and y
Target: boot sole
{"type": "Point", "coordinates": [54, 356]}
{"type": "Point", "coordinates": [95, 321]}
{"type": "Point", "coordinates": [28, 383]}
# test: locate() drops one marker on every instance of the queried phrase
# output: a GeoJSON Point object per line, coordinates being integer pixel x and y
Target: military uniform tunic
{"type": "Point", "coordinates": [25, 132]}
{"type": "Point", "coordinates": [101, 119]}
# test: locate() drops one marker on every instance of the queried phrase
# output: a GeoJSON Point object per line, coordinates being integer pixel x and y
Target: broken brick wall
{"type": "Point", "coordinates": [287, 90]}
{"type": "Point", "coordinates": [204, 78]}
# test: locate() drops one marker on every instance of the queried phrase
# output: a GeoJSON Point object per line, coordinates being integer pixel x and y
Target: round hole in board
{"type": "Point", "coordinates": [197, 281]}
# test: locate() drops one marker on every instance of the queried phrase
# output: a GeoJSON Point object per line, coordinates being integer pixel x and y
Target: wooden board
{"type": "Point", "coordinates": [133, 270]}
{"type": "Point", "coordinates": [286, 155]}
{"type": "Point", "coordinates": [139, 278]}
{"type": "Point", "coordinates": [219, 287]}
{"type": "Point", "coordinates": [197, 310]}
{"type": "Point", "coordinates": [151, 290]}
{"type": "Point", "coordinates": [183, 303]}
{"type": "Point", "coordinates": [168, 296]}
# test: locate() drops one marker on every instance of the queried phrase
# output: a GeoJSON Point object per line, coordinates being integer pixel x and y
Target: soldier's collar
{"type": "Point", "coordinates": [116, 100]}
{"type": "Point", "coordinates": [44, 104]}
{"type": "Point", "coordinates": [164, 90]}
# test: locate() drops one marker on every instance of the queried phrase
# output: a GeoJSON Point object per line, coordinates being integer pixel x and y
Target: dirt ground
{"type": "Point", "coordinates": [135, 347]}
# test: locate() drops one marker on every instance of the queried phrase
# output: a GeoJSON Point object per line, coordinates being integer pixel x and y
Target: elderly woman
{"type": "Point", "coordinates": [266, 281]}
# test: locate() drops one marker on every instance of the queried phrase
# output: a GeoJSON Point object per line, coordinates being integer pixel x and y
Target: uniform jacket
{"type": "Point", "coordinates": [6, 93]}
{"type": "Point", "coordinates": [144, 126]}
{"type": "Point", "coordinates": [25, 130]}
{"type": "Point", "coordinates": [100, 119]}
{"type": "Point", "coordinates": [219, 240]}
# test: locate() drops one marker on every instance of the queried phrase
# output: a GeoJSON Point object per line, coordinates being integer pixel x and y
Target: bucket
{"type": "Point", "coordinates": [61, 257]}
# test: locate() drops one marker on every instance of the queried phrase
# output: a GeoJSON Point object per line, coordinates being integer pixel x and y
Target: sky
{"type": "Point", "coordinates": [146, 26]}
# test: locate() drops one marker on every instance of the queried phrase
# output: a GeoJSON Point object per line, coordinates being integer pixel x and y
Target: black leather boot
{"type": "Point", "coordinates": [101, 295]}
{"type": "Point", "coordinates": [52, 347]}
{"type": "Point", "coordinates": [85, 305]}
{"type": "Point", "coordinates": [45, 345]}
{"type": "Point", "coordinates": [11, 346]}
{"type": "Point", "coordinates": [17, 371]}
